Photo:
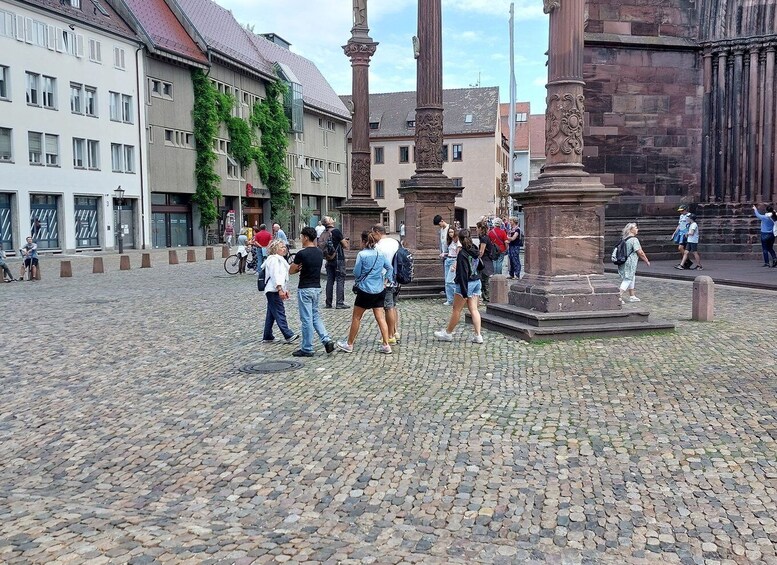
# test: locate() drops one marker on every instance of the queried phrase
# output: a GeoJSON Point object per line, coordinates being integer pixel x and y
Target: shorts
{"type": "Point", "coordinates": [369, 301]}
{"type": "Point", "coordinates": [473, 288]}
{"type": "Point", "coordinates": [391, 297]}
{"type": "Point", "coordinates": [33, 260]}
{"type": "Point", "coordinates": [680, 238]}
{"type": "Point", "coordinates": [627, 284]}
{"type": "Point", "coordinates": [692, 246]}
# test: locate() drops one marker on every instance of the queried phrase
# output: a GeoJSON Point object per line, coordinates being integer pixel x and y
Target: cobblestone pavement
{"type": "Point", "coordinates": [128, 434]}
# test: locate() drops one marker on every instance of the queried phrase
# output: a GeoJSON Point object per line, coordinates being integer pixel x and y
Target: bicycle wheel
{"type": "Point", "coordinates": [232, 264]}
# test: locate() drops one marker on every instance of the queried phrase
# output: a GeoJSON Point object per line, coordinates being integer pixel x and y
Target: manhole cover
{"type": "Point", "coordinates": [270, 367]}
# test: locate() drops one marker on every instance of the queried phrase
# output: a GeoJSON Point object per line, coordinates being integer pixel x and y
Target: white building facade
{"type": "Point", "coordinates": [72, 129]}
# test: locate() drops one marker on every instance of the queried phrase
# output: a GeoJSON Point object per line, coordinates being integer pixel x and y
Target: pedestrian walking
{"type": "Point", "coordinates": [767, 236]}
{"type": "Point", "coordinates": [443, 225]}
{"type": "Point", "coordinates": [242, 252]}
{"type": "Point", "coordinates": [335, 263]}
{"type": "Point", "coordinates": [692, 245]}
{"type": "Point", "coordinates": [370, 288]}
{"type": "Point", "coordinates": [7, 274]}
{"type": "Point", "coordinates": [388, 247]}
{"type": "Point", "coordinates": [30, 259]}
{"type": "Point", "coordinates": [276, 276]}
{"type": "Point", "coordinates": [307, 262]}
{"type": "Point", "coordinates": [229, 233]}
{"type": "Point", "coordinates": [628, 270]}
{"type": "Point", "coordinates": [498, 237]}
{"type": "Point", "coordinates": [468, 289]}
{"type": "Point", "coordinates": [453, 246]}
{"type": "Point", "coordinates": [515, 242]}
{"type": "Point", "coordinates": [486, 253]}
{"type": "Point", "coordinates": [680, 233]}
{"type": "Point", "coordinates": [262, 239]}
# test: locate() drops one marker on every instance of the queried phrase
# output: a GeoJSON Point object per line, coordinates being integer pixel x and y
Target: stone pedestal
{"type": "Point", "coordinates": [358, 215]}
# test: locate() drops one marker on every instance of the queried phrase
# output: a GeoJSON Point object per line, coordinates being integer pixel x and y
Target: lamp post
{"type": "Point", "coordinates": [119, 193]}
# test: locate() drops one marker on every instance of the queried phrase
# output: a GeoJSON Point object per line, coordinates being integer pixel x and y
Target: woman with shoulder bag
{"type": "Point", "coordinates": [468, 287]}
{"type": "Point", "coordinates": [515, 242]}
{"type": "Point", "coordinates": [370, 289]}
{"type": "Point", "coordinates": [485, 252]}
{"type": "Point", "coordinates": [276, 276]}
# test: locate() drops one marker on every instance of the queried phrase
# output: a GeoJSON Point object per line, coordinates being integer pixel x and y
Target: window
{"type": "Point", "coordinates": [33, 89]}
{"type": "Point", "coordinates": [5, 145]}
{"type": "Point", "coordinates": [117, 156]}
{"type": "Point", "coordinates": [4, 88]}
{"type": "Point", "coordinates": [75, 3]}
{"type": "Point", "coordinates": [95, 54]}
{"type": "Point", "coordinates": [445, 153]}
{"type": "Point", "coordinates": [169, 136]}
{"type": "Point", "coordinates": [161, 89]}
{"type": "Point", "coordinates": [404, 154]}
{"type": "Point", "coordinates": [129, 159]}
{"type": "Point", "coordinates": [90, 101]}
{"type": "Point", "coordinates": [118, 58]}
{"type": "Point", "coordinates": [79, 146]}
{"type": "Point", "coordinates": [379, 189]}
{"type": "Point", "coordinates": [232, 168]}
{"type": "Point", "coordinates": [126, 109]}
{"type": "Point", "coordinates": [48, 93]}
{"type": "Point", "coordinates": [520, 117]}
{"type": "Point", "coordinates": [76, 101]}
{"type": "Point", "coordinates": [68, 43]}
{"type": "Point", "coordinates": [457, 181]}
{"type": "Point", "coordinates": [52, 150]}
{"type": "Point", "coordinates": [35, 147]}
{"type": "Point", "coordinates": [156, 86]}
{"type": "Point", "coordinates": [468, 119]}
{"type": "Point", "coordinates": [411, 123]}
{"type": "Point", "coordinates": [92, 154]}
{"type": "Point", "coordinates": [115, 104]}
{"type": "Point", "coordinates": [378, 156]}
{"type": "Point", "coordinates": [7, 23]}
{"type": "Point", "coordinates": [374, 125]}
{"type": "Point", "coordinates": [39, 33]}
{"type": "Point", "coordinates": [167, 89]}
{"type": "Point", "coordinates": [458, 151]}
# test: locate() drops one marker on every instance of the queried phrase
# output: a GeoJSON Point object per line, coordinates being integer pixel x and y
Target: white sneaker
{"type": "Point", "coordinates": [477, 338]}
{"type": "Point", "coordinates": [634, 299]}
{"type": "Point", "coordinates": [442, 335]}
{"type": "Point", "coordinates": [446, 303]}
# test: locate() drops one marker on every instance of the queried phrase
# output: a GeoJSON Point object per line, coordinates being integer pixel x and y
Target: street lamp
{"type": "Point", "coordinates": [119, 193]}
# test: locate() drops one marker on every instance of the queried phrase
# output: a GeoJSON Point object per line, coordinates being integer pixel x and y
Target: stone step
{"type": "Point", "coordinates": [553, 319]}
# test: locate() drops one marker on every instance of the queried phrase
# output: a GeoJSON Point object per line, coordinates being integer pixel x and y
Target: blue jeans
{"type": "Point", "coordinates": [767, 246]}
{"type": "Point", "coordinates": [450, 286]}
{"type": "Point", "coordinates": [276, 313]}
{"type": "Point", "coordinates": [499, 264]}
{"type": "Point", "coordinates": [514, 253]}
{"type": "Point", "coordinates": [310, 317]}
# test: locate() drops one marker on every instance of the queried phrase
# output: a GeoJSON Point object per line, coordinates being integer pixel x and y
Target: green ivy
{"type": "Point", "coordinates": [212, 107]}
{"type": "Point", "coordinates": [206, 123]}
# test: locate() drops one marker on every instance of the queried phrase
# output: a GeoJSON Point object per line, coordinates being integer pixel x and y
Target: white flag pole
{"type": "Point", "coordinates": [511, 170]}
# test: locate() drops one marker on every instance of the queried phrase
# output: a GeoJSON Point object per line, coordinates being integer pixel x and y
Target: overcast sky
{"type": "Point", "coordinates": [475, 41]}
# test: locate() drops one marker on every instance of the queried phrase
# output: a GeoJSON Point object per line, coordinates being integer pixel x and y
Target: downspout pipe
{"type": "Point", "coordinates": [141, 139]}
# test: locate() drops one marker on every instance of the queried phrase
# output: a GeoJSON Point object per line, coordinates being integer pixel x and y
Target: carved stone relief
{"type": "Point", "coordinates": [428, 137]}
{"type": "Point", "coordinates": [564, 124]}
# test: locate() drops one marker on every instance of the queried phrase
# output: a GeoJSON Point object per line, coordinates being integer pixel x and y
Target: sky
{"type": "Point", "coordinates": [476, 41]}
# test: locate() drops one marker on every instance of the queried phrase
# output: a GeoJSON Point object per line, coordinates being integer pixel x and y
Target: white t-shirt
{"type": "Point", "coordinates": [693, 233]}
{"type": "Point", "coordinates": [319, 230]}
{"type": "Point", "coordinates": [388, 247]}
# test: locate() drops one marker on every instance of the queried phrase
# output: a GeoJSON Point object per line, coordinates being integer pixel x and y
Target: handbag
{"type": "Point", "coordinates": [355, 288]}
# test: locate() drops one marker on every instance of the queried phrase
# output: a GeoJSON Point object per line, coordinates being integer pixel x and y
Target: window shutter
{"type": "Point", "coordinates": [60, 41]}
{"type": "Point", "coordinates": [5, 141]}
{"type": "Point", "coordinates": [35, 142]}
{"type": "Point", "coordinates": [51, 42]}
{"type": "Point", "coordinates": [20, 28]}
{"type": "Point", "coordinates": [52, 144]}
{"type": "Point", "coordinates": [28, 30]}
{"type": "Point", "coordinates": [79, 45]}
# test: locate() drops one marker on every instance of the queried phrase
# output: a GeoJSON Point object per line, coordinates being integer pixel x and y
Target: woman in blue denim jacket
{"type": "Point", "coordinates": [370, 291]}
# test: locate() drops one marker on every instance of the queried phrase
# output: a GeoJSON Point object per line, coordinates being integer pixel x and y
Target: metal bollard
{"type": "Point", "coordinates": [703, 306]}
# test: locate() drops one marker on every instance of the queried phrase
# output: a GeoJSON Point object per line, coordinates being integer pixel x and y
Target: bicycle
{"type": "Point", "coordinates": [232, 263]}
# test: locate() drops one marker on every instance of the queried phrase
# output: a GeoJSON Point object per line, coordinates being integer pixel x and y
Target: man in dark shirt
{"type": "Point", "coordinates": [307, 262]}
{"type": "Point", "coordinates": [335, 269]}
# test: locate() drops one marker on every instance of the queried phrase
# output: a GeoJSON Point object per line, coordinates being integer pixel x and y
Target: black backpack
{"type": "Point", "coordinates": [492, 251]}
{"type": "Point", "coordinates": [403, 265]}
{"type": "Point", "coordinates": [261, 281]}
{"type": "Point", "coordinates": [327, 246]}
{"type": "Point", "coordinates": [620, 253]}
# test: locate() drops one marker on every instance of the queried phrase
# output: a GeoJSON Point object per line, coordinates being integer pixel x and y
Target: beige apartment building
{"type": "Point", "coordinates": [475, 153]}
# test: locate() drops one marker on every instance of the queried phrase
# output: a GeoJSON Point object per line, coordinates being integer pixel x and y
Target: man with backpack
{"type": "Point", "coordinates": [333, 245]}
{"type": "Point", "coordinates": [388, 247]}
{"type": "Point", "coordinates": [498, 237]}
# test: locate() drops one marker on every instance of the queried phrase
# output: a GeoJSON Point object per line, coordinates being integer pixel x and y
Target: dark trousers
{"type": "Point", "coordinates": [6, 271]}
{"type": "Point", "coordinates": [514, 253]}
{"type": "Point", "coordinates": [767, 246]}
{"type": "Point", "coordinates": [335, 273]}
{"type": "Point", "coordinates": [484, 290]}
{"type": "Point", "coordinates": [276, 313]}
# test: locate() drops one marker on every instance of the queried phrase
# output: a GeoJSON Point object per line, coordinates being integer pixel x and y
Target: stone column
{"type": "Point", "coordinates": [564, 292]}
{"type": "Point", "coordinates": [360, 211]}
{"type": "Point", "coordinates": [429, 192]}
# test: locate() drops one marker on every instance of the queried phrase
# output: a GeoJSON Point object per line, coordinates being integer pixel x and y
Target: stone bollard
{"type": "Point", "coordinates": [191, 256]}
{"type": "Point", "coordinates": [65, 269]}
{"type": "Point", "coordinates": [172, 257]}
{"type": "Point", "coordinates": [703, 306]}
{"type": "Point", "coordinates": [498, 288]}
{"type": "Point", "coordinates": [145, 261]}
{"type": "Point", "coordinates": [225, 252]}
{"type": "Point", "coordinates": [209, 254]}
{"type": "Point", "coordinates": [97, 265]}
{"type": "Point", "coordinates": [124, 263]}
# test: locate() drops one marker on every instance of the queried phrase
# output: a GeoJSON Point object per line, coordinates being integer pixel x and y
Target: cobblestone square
{"type": "Point", "coordinates": [128, 434]}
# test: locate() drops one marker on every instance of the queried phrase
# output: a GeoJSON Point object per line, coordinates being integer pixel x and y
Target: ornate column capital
{"type": "Point", "coordinates": [360, 50]}
{"type": "Point", "coordinates": [549, 5]}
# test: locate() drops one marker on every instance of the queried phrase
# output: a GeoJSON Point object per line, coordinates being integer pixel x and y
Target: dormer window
{"type": "Point", "coordinates": [468, 119]}
{"type": "Point", "coordinates": [374, 125]}
{"type": "Point", "coordinates": [75, 3]}
{"type": "Point", "coordinates": [293, 104]}
{"type": "Point", "coordinates": [411, 123]}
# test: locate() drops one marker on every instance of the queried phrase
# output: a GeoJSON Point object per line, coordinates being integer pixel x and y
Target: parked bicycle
{"type": "Point", "coordinates": [232, 263]}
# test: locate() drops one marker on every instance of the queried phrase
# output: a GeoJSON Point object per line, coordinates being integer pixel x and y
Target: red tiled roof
{"type": "Point", "coordinates": [521, 141]}
{"type": "Point", "coordinates": [164, 29]}
{"type": "Point", "coordinates": [316, 90]}
{"type": "Point", "coordinates": [537, 127]}
{"type": "Point", "coordinates": [224, 34]}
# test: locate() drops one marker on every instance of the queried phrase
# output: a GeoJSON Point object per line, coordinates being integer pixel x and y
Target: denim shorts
{"type": "Point", "coordinates": [390, 301]}
{"type": "Point", "coordinates": [473, 288]}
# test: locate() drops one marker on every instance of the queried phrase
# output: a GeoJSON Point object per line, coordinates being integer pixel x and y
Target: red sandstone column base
{"type": "Point", "coordinates": [359, 215]}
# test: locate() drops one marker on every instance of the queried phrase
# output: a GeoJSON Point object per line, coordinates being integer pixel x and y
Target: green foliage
{"type": "Point", "coordinates": [206, 123]}
{"type": "Point", "coordinates": [211, 108]}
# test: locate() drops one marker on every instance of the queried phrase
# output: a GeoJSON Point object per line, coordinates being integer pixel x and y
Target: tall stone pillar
{"type": "Point", "coordinates": [429, 192]}
{"type": "Point", "coordinates": [564, 292]}
{"type": "Point", "coordinates": [360, 212]}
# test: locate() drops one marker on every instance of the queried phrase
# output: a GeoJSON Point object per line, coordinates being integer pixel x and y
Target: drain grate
{"type": "Point", "coordinates": [270, 367]}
